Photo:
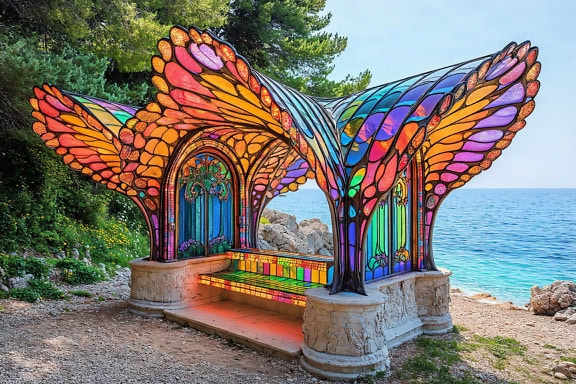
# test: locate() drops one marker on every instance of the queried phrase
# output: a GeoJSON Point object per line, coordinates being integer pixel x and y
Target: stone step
{"type": "Point", "coordinates": [259, 329]}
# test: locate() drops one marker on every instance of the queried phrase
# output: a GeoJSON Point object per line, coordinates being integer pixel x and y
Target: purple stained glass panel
{"type": "Point", "coordinates": [450, 81]}
{"type": "Point", "coordinates": [500, 68]}
{"type": "Point", "coordinates": [206, 56]}
{"type": "Point", "coordinates": [392, 122]}
{"type": "Point", "coordinates": [415, 93]}
{"type": "Point", "coordinates": [487, 136]}
{"type": "Point", "coordinates": [513, 95]}
{"type": "Point", "coordinates": [448, 177]}
{"type": "Point", "coordinates": [501, 118]}
{"type": "Point", "coordinates": [477, 147]}
{"type": "Point", "coordinates": [514, 74]}
{"type": "Point", "coordinates": [457, 167]}
{"type": "Point", "coordinates": [468, 157]}
{"type": "Point", "coordinates": [371, 124]}
{"type": "Point", "coordinates": [427, 105]}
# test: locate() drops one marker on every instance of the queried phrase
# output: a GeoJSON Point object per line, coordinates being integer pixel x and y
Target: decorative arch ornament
{"type": "Point", "coordinates": [451, 123]}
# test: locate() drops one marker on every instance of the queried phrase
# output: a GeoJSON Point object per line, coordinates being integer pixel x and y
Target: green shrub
{"type": "Point", "coordinates": [17, 266]}
{"type": "Point", "coordinates": [80, 293]}
{"type": "Point", "coordinates": [14, 266]}
{"type": "Point", "coordinates": [25, 294]}
{"type": "Point", "coordinates": [76, 272]}
{"type": "Point", "coordinates": [46, 290]}
{"type": "Point", "coordinates": [37, 290]}
{"type": "Point", "coordinates": [37, 267]}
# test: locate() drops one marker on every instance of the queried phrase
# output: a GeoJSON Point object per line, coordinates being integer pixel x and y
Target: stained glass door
{"type": "Point", "coordinates": [205, 207]}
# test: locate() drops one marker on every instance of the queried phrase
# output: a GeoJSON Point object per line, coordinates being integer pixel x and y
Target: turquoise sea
{"type": "Point", "coordinates": [500, 241]}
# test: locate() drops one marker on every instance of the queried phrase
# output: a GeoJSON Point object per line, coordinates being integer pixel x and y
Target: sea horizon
{"type": "Point", "coordinates": [488, 237]}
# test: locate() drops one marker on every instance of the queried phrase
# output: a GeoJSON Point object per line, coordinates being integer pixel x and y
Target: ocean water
{"type": "Point", "coordinates": [500, 241]}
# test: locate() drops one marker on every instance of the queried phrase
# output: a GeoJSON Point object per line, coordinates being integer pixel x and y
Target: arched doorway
{"type": "Point", "coordinates": [205, 215]}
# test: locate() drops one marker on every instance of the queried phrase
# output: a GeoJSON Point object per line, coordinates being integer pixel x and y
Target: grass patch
{"type": "Point", "coordinates": [502, 348]}
{"type": "Point", "coordinates": [459, 328]}
{"type": "Point", "coordinates": [80, 293]}
{"type": "Point", "coordinates": [570, 359]}
{"type": "Point", "coordinates": [434, 361]}
{"type": "Point", "coordinates": [550, 346]}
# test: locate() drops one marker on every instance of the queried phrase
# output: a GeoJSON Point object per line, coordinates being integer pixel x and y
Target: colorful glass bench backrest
{"type": "Point", "coordinates": [308, 268]}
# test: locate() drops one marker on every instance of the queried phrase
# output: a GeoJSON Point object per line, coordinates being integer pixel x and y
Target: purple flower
{"type": "Point", "coordinates": [187, 244]}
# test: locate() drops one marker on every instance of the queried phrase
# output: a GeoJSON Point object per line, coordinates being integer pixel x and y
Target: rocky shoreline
{"type": "Point", "coordinates": [312, 236]}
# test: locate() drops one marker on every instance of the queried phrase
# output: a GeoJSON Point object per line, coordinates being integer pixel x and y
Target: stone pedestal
{"type": "Point", "coordinates": [344, 335]}
{"type": "Point", "coordinates": [347, 336]}
{"type": "Point", "coordinates": [155, 286]}
{"type": "Point", "coordinates": [433, 301]}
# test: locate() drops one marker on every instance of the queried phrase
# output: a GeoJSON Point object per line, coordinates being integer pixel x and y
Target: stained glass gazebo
{"type": "Point", "coordinates": [221, 140]}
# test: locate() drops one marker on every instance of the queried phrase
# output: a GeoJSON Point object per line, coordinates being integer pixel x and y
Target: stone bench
{"type": "Point", "coordinates": [273, 275]}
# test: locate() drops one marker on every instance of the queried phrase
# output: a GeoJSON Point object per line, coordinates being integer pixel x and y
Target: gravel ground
{"type": "Point", "coordinates": [96, 340]}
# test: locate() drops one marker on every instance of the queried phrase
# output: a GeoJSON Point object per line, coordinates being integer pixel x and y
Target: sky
{"type": "Point", "coordinates": [397, 39]}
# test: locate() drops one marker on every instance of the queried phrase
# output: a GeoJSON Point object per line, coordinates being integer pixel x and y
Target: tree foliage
{"type": "Point", "coordinates": [125, 31]}
{"type": "Point", "coordinates": [285, 39]}
{"type": "Point", "coordinates": [26, 61]}
{"type": "Point", "coordinates": [102, 48]}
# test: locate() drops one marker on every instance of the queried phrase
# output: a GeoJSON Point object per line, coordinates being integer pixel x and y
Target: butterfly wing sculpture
{"type": "Point", "coordinates": [490, 106]}
{"type": "Point", "coordinates": [453, 121]}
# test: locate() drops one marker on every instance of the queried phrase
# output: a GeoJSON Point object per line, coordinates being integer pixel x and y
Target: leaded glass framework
{"type": "Point", "coordinates": [388, 155]}
{"type": "Point", "coordinates": [205, 207]}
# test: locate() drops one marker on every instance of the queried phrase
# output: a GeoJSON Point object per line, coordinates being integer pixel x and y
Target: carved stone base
{"type": "Point", "coordinates": [347, 336]}
{"type": "Point", "coordinates": [433, 301]}
{"type": "Point", "coordinates": [155, 286]}
{"type": "Point", "coordinates": [344, 334]}
{"type": "Point", "coordinates": [341, 367]}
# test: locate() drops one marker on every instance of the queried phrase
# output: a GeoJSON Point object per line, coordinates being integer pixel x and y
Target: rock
{"type": "Point", "coordinates": [55, 274]}
{"type": "Point", "coordinates": [564, 314]}
{"type": "Point", "coordinates": [563, 369]}
{"type": "Point", "coordinates": [4, 288]}
{"type": "Point", "coordinates": [61, 255]}
{"type": "Point", "coordinates": [87, 261]}
{"type": "Point", "coordinates": [279, 237]}
{"type": "Point", "coordinates": [553, 298]}
{"type": "Point", "coordinates": [75, 253]}
{"type": "Point", "coordinates": [284, 219]}
{"type": "Point", "coordinates": [571, 320]}
{"type": "Point", "coordinates": [102, 267]}
{"type": "Point", "coordinates": [283, 233]}
{"type": "Point", "coordinates": [20, 282]}
{"type": "Point", "coordinates": [560, 376]}
{"type": "Point", "coordinates": [263, 244]}
{"type": "Point", "coordinates": [2, 274]}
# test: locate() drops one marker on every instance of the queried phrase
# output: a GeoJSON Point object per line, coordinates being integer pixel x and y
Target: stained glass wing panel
{"type": "Point", "coordinates": [380, 129]}
{"type": "Point", "coordinates": [84, 142]}
{"type": "Point", "coordinates": [110, 114]}
{"type": "Point", "coordinates": [202, 82]}
{"type": "Point", "coordinates": [481, 122]}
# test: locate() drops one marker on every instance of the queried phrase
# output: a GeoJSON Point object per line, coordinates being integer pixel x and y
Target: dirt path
{"type": "Point", "coordinates": [96, 340]}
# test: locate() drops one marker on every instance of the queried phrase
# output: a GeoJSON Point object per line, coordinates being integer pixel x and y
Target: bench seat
{"type": "Point", "coordinates": [275, 275]}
